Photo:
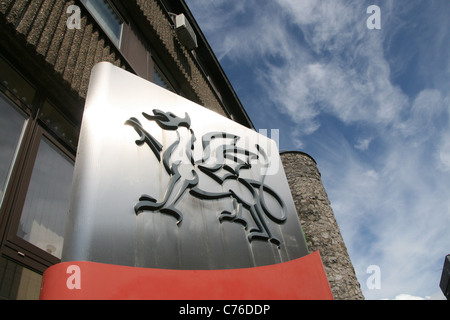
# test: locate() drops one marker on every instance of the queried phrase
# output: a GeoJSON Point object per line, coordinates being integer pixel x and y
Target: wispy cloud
{"type": "Point", "coordinates": [405, 296]}
{"type": "Point", "coordinates": [393, 213]}
{"type": "Point", "coordinates": [318, 57]}
{"type": "Point", "coordinates": [363, 144]}
{"type": "Point", "coordinates": [443, 152]}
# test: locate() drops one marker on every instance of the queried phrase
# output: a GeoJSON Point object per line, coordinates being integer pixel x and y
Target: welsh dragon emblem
{"type": "Point", "coordinates": [230, 162]}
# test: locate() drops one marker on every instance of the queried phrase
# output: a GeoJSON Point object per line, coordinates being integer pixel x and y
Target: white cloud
{"type": "Point", "coordinates": [443, 149]}
{"type": "Point", "coordinates": [363, 144]}
{"type": "Point", "coordinates": [424, 114]}
{"type": "Point", "coordinates": [326, 22]}
{"type": "Point", "coordinates": [444, 153]}
{"type": "Point", "coordinates": [394, 214]}
{"type": "Point", "coordinates": [351, 78]}
{"type": "Point", "coordinates": [405, 296]}
{"type": "Point", "coordinates": [243, 30]}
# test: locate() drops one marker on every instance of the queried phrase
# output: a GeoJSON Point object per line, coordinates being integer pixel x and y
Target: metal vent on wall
{"type": "Point", "coordinates": [185, 33]}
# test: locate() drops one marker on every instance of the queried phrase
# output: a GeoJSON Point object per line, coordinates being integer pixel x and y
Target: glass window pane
{"type": "Point", "coordinates": [44, 214]}
{"type": "Point", "coordinates": [59, 125]}
{"type": "Point", "coordinates": [12, 124]}
{"type": "Point", "coordinates": [160, 80]}
{"type": "Point", "coordinates": [10, 79]}
{"type": "Point", "coordinates": [106, 17]}
{"type": "Point", "coordinates": [17, 282]}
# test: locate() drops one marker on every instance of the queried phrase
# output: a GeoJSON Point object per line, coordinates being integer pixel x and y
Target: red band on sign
{"type": "Point", "coordinates": [300, 279]}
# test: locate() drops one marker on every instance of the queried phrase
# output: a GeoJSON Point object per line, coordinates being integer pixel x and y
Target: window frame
{"type": "Point", "coordinates": [117, 13]}
{"type": "Point", "coordinates": [11, 245]}
{"type": "Point", "coordinates": [16, 269]}
{"type": "Point", "coordinates": [12, 240]}
{"type": "Point", "coordinates": [27, 117]}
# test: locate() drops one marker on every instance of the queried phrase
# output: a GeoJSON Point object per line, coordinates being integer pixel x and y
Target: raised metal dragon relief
{"type": "Point", "coordinates": [180, 182]}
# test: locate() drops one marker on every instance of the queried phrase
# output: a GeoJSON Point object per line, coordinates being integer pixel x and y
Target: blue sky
{"type": "Point", "coordinates": [371, 106]}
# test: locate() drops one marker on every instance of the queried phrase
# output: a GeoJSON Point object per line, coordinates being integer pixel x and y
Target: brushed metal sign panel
{"type": "Point", "coordinates": [162, 182]}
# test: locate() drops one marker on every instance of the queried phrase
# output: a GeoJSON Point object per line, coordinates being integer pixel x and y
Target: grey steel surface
{"type": "Point", "coordinates": [136, 204]}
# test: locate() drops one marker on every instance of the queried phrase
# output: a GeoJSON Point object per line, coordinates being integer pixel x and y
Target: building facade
{"type": "Point", "coordinates": [47, 51]}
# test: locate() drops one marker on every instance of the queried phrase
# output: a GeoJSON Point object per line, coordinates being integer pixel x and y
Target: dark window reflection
{"type": "Point", "coordinates": [18, 282]}
{"type": "Point", "coordinates": [12, 123]}
{"type": "Point", "coordinates": [106, 17]}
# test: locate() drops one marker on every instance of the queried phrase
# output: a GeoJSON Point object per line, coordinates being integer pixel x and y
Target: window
{"type": "Point", "coordinates": [12, 125]}
{"type": "Point", "coordinates": [160, 79]}
{"type": "Point", "coordinates": [14, 83]}
{"type": "Point", "coordinates": [39, 197]}
{"type": "Point", "coordinates": [37, 153]}
{"type": "Point", "coordinates": [18, 282]}
{"type": "Point", "coordinates": [107, 17]}
{"type": "Point", "coordinates": [55, 122]}
{"type": "Point", "coordinates": [43, 217]}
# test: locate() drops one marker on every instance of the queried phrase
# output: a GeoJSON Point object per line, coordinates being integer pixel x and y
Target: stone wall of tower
{"type": "Point", "coordinates": [319, 224]}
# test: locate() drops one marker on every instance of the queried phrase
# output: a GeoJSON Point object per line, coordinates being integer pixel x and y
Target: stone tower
{"type": "Point", "coordinates": [319, 224]}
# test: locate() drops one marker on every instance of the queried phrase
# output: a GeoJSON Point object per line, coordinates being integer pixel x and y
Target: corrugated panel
{"type": "Point", "coordinates": [15, 13]}
{"type": "Point", "coordinates": [82, 56]}
{"type": "Point", "coordinates": [64, 50]}
{"type": "Point", "coordinates": [74, 51]}
{"type": "Point", "coordinates": [5, 5]}
{"type": "Point", "coordinates": [39, 22]}
{"type": "Point", "coordinates": [71, 52]}
{"type": "Point", "coordinates": [28, 17]}
{"type": "Point", "coordinates": [88, 63]}
{"type": "Point", "coordinates": [56, 36]}
{"type": "Point", "coordinates": [50, 28]}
